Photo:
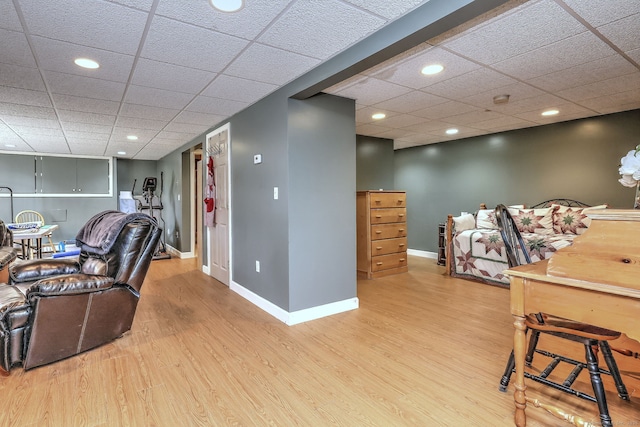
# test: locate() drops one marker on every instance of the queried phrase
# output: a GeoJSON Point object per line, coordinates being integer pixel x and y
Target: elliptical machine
{"type": "Point", "coordinates": [149, 203]}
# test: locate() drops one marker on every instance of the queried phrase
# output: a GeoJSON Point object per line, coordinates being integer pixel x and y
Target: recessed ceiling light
{"type": "Point", "coordinates": [378, 116]}
{"type": "Point", "coordinates": [432, 69]}
{"type": "Point", "coordinates": [122, 153]}
{"type": "Point", "coordinates": [451, 131]}
{"type": "Point", "coordinates": [550, 112]}
{"type": "Point", "coordinates": [86, 63]}
{"type": "Point", "coordinates": [132, 137]}
{"type": "Point", "coordinates": [10, 145]}
{"type": "Point", "coordinates": [227, 5]}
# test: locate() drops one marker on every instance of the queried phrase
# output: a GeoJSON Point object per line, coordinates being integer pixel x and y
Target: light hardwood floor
{"type": "Point", "coordinates": [423, 349]}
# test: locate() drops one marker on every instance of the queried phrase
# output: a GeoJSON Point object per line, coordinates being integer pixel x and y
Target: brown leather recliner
{"type": "Point", "coordinates": [55, 308]}
{"type": "Point", "coordinates": [7, 253]}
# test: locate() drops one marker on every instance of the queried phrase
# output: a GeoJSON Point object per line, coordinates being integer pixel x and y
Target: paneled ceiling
{"type": "Point", "coordinates": [171, 69]}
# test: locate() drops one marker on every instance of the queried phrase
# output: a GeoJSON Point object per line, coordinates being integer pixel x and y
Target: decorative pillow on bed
{"type": "Point", "coordinates": [486, 218]}
{"type": "Point", "coordinates": [573, 220]}
{"type": "Point", "coordinates": [464, 222]}
{"type": "Point", "coordinates": [539, 221]}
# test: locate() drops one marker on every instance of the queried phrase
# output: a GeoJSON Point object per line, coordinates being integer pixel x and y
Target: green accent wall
{"type": "Point", "coordinates": [374, 163]}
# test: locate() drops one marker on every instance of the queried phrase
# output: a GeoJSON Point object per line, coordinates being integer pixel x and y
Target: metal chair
{"type": "Point", "coordinates": [590, 336]}
{"type": "Point", "coordinates": [33, 216]}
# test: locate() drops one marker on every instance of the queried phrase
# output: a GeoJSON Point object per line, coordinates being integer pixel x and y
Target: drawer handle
{"type": "Point", "coordinates": [401, 230]}
{"type": "Point", "coordinates": [378, 263]}
{"type": "Point", "coordinates": [400, 215]}
{"type": "Point", "coordinates": [401, 244]}
{"type": "Point", "coordinates": [401, 259]}
{"type": "Point", "coordinates": [378, 216]}
{"type": "Point", "coordinates": [378, 232]}
{"type": "Point", "coordinates": [378, 248]}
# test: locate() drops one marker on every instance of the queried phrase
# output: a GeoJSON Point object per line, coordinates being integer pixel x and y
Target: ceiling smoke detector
{"type": "Point", "coordinates": [501, 99]}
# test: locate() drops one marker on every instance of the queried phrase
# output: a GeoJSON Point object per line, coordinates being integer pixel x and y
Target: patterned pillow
{"type": "Point", "coordinates": [486, 218]}
{"type": "Point", "coordinates": [568, 220]}
{"type": "Point", "coordinates": [539, 221]}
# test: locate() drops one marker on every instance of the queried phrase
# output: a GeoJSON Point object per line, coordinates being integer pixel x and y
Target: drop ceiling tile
{"type": "Point", "coordinates": [31, 122]}
{"type": "Point", "coordinates": [161, 75]}
{"type": "Point", "coordinates": [472, 117]}
{"type": "Point", "coordinates": [400, 121]}
{"type": "Point", "coordinates": [186, 128]}
{"type": "Point", "coordinates": [625, 32]}
{"type": "Point", "coordinates": [191, 117]}
{"type": "Point", "coordinates": [138, 123]}
{"type": "Point", "coordinates": [568, 111]}
{"type": "Point", "coordinates": [21, 77]}
{"type": "Point", "coordinates": [18, 145]}
{"type": "Point", "coordinates": [157, 97]}
{"type": "Point", "coordinates": [24, 96]}
{"type": "Point", "coordinates": [228, 87]}
{"type": "Point", "coordinates": [320, 29]}
{"type": "Point", "coordinates": [363, 115]}
{"type": "Point", "coordinates": [371, 91]}
{"type": "Point", "coordinates": [408, 72]}
{"type": "Point", "coordinates": [136, 4]}
{"type": "Point", "coordinates": [603, 88]}
{"type": "Point", "coordinates": [76, 103]}
{"type": "Point", "coordinates": [222, 107]}
{"type": "Point", "coordinates": [53, 147]}
{"type": "Point", "coordinates": [371, 129]}
{"type": "Point", "coordinates": [396, 134]}
{"type": "Point", "coordinates": [531, 26]}
{"type": "Point", "coordinates": [179, 137]}
{"type": "Point", "coordinates": [88, 138]}
{"type": "Point", "coordinates": [517, 93]}
{"type": "Point", "coordinates": [583, 74]}
{"type": "Point", "coordinates": [474, 82]}
{"type": "Point", "coordinates": [247, 23]}
{"type": "Point", "coordinates": [58, 56]}
{"type": "Point", "coordinates": [87, 22]}
{"type": "Point", "coordinates": [86, 127]}
{"type": "Point", "coordinates": [82, 117]}
{"type": "Point", "coordinates": [445, 109]}
{"type": "Point", "coordinates": [576, 50]}
{"type": "Point", "coordinates": [536, 104]}
{"type": "Point", "coordinates": [31, 133]}
{"type": "Point", "coordinates": [147, 112]}
{"type": "Point", "coordinates": [503, 122]}
{"type": "Point", "coordinates": [84, 149]}
{"type": "Point", "coordinates": [269, 65]}
{"type": "Point", "coordinates": [154, 152]}
{"type": "Point", "coordinates": [67, 84]}
{"type": "Point", "coordinates": [429, 127]}
{"type": "Point", "coordinates": [600, 12]}
{"type": "Point", "coordinates": [8, 17]}
{"type": "Point", "coordinates": [190, 46]}
{"type": "Point", "coordinates": [410, 102]}
{"type": "Point", "coordinates": [614, 103]}
{"type": "Point", "coordinates": [388, 8]}
{"type": "Point", "coordinates": [27, 111]}
{"type": "Point", "coordinates": [634, 55]}
{"type": "Point", "coordinates": [15, 49]}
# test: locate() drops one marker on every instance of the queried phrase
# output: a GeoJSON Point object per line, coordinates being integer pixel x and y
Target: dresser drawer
{"type": "Point", "coordinates": [388, 231]}
{"type": "Point", "coordinates": [384, 262]}
{"type": "Point", "coordinates": [388, 200]}
{"type": "Point", "coordinates": [382, 216]}
{"type": "Point", "coordinates": [388, 246]}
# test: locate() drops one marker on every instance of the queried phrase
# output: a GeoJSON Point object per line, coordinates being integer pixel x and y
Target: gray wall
{"type": "Point", "coordinates": [322, 257]}
{"type": "Point", "coordinates": [134, 170]}
{"type": "Point", "coordinates": [260, 223]}
{"type": "Point", "coordinates": [374, 163]}
{"type": "Point", "coordinates": [577, 160]}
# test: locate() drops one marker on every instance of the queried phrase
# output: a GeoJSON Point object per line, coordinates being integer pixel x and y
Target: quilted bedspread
{"type": "Point", "coordinates": [480, 254]}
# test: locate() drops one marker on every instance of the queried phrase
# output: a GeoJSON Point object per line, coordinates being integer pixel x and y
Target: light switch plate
{"type": "Point", "coordinates": [275, 193]}
{"type": "Point", "coordinates": [257, 159]}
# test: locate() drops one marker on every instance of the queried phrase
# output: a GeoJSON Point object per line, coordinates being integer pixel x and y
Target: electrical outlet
{"type": "Point", "coordinates": [257, 266]}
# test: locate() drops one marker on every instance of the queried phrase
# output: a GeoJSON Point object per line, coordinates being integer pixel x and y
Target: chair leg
{"type": "Point", "coordinates": [506, 377]}
{"type": "Point", "coordinates": [613, 368]}
{"type": "Point", "coordinates": [533, 343]}
{"type": "Point", "coordinates": [596, 383]}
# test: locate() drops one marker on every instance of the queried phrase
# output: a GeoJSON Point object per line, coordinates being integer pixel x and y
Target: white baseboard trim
{"type": "Point", "coordinates": [423, 254]}
{"type": "Point", "coordinates": [182, 255]}
{"type": "Point", "coordinates": [206, 270]}
{"type": "Point", "coordinates": [299, 316]}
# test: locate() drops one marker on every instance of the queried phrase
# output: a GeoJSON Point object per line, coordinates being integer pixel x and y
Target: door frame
{"type": "Point", "coordinates": [205, 267]}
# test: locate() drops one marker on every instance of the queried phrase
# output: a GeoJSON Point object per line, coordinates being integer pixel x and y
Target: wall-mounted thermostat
{"type": "Point", "coordinates": [257, 158]}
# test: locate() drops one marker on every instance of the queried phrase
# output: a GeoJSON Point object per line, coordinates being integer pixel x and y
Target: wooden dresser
{"type": "Point", "coordinates": [382, 233]}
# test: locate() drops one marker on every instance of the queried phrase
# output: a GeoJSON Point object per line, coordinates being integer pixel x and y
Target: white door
{"type": "Point", "coordinates": [218, 233]}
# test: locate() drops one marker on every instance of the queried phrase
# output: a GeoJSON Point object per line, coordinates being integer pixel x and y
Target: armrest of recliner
{"type": "Point", "coordinates": [31, 271]}
{"type": "Point", "coordinates": [69, 284]}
